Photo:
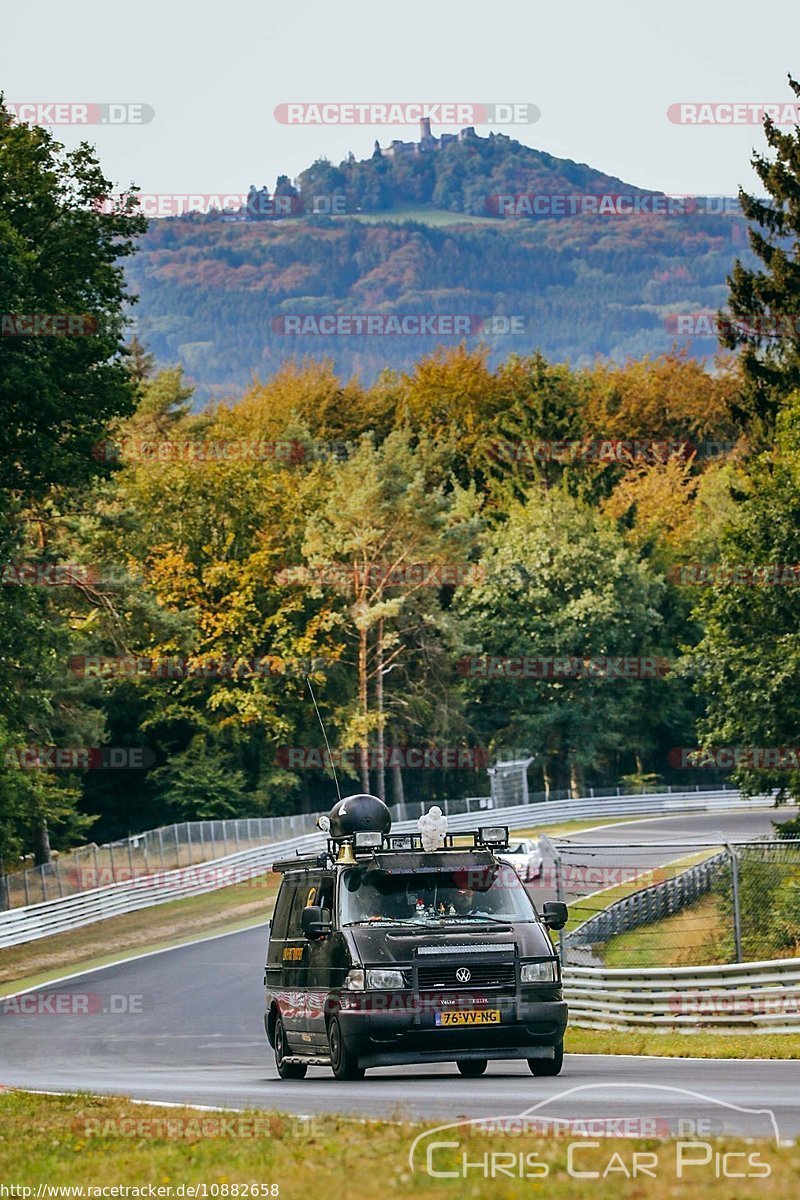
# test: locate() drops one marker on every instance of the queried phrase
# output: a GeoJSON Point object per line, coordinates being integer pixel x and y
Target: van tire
{"type": "Point", "coordinates": [472, 1067]}
{"type": "Point", "coordinates": [286, 1070]}
{"type": "Point", "coordinates": [548, 1066]}
{"type": "Point", "coordinates": [343, 1064]}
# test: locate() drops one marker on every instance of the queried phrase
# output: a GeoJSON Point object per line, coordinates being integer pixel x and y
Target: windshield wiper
{"type": "Point", "coordinates": [480, 917]}
{"type": "Point", "coordinates": [384, 920]}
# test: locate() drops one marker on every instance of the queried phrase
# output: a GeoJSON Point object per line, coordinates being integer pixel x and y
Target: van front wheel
{"type": "Point", "coordinates": [471, 1067]}
{"type": "Point", "coordinates": [286, 1070]}
{"type": "Point", "coordinates": [343, 1064]}
{"type": "Point", "coordinates": [548, 1066]}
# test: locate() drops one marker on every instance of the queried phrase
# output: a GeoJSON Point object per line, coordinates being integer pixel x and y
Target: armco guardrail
{"type": "Point", "coordinates": [20, 925]}
{"type": "Point", "coordinates": [754, 997]}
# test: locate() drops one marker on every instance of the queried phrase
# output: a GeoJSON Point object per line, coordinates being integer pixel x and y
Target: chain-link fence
{"type": "Point", "coordinates": [181, 845]}
{"type": "Point", "coordinates": [682, 904]}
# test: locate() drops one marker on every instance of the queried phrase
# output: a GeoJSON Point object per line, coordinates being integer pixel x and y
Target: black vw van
{"type": "Point", "coordinates": [382, 952]}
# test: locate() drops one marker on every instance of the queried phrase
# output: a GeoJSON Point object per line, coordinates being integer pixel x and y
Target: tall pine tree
{"type": "Point", "coordinates": [764, 303]}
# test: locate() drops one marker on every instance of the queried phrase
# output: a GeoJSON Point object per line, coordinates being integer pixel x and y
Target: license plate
{"type": "Point", "coordinates": [482, 1016]}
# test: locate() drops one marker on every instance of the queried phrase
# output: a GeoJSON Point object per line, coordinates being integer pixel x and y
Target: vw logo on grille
{"type": "Point", "coordinates": [463, 974]}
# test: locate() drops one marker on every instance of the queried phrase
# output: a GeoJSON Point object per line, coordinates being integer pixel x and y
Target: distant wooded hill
{"type": "Point", "coordinates": [428, 233]}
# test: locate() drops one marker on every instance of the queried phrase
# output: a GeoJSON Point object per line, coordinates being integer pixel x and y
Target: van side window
{"type": "Point", "coordinates": [325, 894]}
{"type": "Point", "coordinates": [282, 907]}
{"type": "Point", "coordinates": [304, 884]}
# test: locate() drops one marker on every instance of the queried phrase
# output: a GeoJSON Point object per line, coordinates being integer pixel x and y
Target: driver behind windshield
{"type": "Point", "coordinates": [495, 894]}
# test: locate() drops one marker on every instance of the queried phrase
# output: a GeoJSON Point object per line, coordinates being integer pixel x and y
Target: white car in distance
{"type": "Point", "coordinates": [525, 856]}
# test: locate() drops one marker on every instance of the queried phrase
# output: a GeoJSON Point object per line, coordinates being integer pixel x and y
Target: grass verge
{"type": "Point", "coordinates": [682, 1045]}
{"type": "Point", "coordinates": [163, 925]}
{"type": "Point", "coordinates": [689, 937]}
{"type": "Point", "coordinates": [92, 1142]}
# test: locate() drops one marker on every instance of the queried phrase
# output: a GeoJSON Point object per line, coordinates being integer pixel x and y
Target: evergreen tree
{"type": "Point", "coordinates": [764, 303]}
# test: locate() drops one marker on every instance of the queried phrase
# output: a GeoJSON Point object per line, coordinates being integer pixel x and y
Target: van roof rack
{"type": "Point", "coordinates": [368, 843]}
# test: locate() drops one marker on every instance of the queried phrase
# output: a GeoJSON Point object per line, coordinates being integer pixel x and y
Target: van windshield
{"type": "Point", "coordinates": [476, 894]}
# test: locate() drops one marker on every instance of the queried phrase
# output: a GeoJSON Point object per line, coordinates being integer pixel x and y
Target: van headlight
{"type": "Point", "coordinates": [354, 980]}
{"type": "Point", "coordinates": [381, 980]}
{"type": "Point", "coordinates": [539, 972]}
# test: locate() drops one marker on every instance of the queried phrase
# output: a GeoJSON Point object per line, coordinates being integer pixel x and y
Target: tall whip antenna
{"type": "Point", "coordinates": [324, 734]}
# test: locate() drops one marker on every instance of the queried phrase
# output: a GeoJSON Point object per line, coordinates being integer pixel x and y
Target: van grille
{"type": "Point", "coordinates": [482, 976]}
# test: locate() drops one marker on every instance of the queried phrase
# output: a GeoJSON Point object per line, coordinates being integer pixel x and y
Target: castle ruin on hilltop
{"type": "Point", "coordinates": [427, 142]}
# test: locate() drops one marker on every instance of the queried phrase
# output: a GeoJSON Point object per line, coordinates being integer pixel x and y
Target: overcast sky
{"type": "Point", "coordinates": [603, 76]}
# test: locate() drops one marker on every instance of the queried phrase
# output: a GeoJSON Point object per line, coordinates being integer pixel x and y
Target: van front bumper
{"type": "Point", "coordinates": [405, 1032]}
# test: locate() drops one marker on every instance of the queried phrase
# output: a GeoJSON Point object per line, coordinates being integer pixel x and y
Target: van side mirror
{"type": "Point", "coordinates": [315, 922]}
{"type": "Point", "coordinates": [554, 914]}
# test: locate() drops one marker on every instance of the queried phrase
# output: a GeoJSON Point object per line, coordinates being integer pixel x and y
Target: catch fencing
{"type": "Point", "coordinates": [700, 904]}
{"type": "Point", "coordinates": [186, 843]}
{"type": "Point", "coordinates": [645, 906]}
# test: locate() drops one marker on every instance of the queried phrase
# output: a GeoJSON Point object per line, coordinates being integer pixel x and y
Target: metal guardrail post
{"type": "Point", "coordinates": [737, 916]}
